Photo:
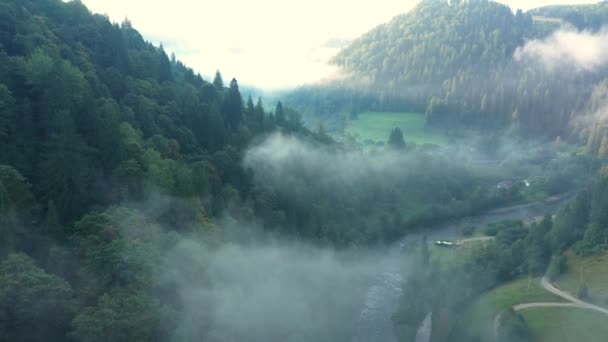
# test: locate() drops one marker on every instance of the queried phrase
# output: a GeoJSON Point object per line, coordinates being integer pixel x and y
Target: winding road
{"type": "Point", "coordinates": [573, 302]}
{"type": "Point", "coordinates": [373, 322]}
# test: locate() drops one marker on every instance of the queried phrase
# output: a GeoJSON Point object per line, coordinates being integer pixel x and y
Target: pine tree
{"type": "Point", "coordinates": [52, 221]}
{"type": "Point", "coordinates": [250, 109]}
{"type": "Point", "coordinates": [395, 140]}
{"type": "Point", "coordinates": [65, 170]}
{"type": "Point", "coordinates": [259, 112]}
{"type": "Point", "coordinates": [218, 81]}
{"type": "Point", "coordinates": [164, 72]}
{"type": "Point", "coordinates": [7, 221]}
{"type": "Point", "coordinates": [279, 114]}
{"type": "Point", "coordinates": [233, 105]}
{"type": "Point", "coordinates": [6, 112]}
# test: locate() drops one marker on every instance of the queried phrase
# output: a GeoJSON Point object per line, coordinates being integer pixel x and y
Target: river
{"type": "Point", "coordinates": [374, 323]}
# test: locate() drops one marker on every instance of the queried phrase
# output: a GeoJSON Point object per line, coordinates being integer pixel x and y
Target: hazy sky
{"type": "Point", "coordinates": [266, 43]}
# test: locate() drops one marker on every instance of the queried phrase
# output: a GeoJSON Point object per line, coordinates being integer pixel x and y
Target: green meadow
{"type": "Point", "coordinates": [566, 325]}
{"type": "Point", "coordinates": [478, 318]}
{"type": "Point", "coordinates": [377, 126]}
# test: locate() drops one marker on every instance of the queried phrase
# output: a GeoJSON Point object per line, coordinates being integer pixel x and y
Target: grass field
{"type": "Point", "coordinates": [478, 318]}
{"type": "Point", "coordinates": [377, 126]}
{"type": "Point", "coordinates": [566, 325]}
{"type": "Point", "coordinates": [595, 274]}
{"type": "Point", "coordinates": [454, 255]}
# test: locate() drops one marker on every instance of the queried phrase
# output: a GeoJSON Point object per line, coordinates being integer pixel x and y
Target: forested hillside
{"type": "Point", "coordinates": [105, 141]}
{"type": "Point", "coordinates": [584, 17]}
{"type": "Point", "coordinates": [126, 180]}
{"type": "Point", "coordinates": [456, 62]}
{"type": "Point", "coordinates": [141, 202]}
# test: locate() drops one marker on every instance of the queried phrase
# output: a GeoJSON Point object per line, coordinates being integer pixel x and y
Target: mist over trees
{"type": "Point", "coordinates": [455, 62]}
{"type": "Point", "coordinates": [141, 202]}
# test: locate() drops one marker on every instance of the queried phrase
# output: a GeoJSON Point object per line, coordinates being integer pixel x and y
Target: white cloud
{"type": "Point", "coordinates": [584, 51]}
{"type": "Point", "coordinates": [282, 43]}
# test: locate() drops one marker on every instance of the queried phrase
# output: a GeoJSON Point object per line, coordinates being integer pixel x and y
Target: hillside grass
{"type": "Point", "coordinates": [595, 274]}
{"type": "Point", "coordinates": [477, 320]}
{"type": "Point", "coordinates": [453, 256]}
{"type": "Point", "coordinates": [566, 325]}
{"type": "Point", "coordinates": [377, 126]}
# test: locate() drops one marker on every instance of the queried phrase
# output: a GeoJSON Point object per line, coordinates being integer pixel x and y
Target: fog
{"type": "Point", "coordinates": [250, 29]}
{"type": "Point", "coordinates": [279, 291]}
{"type": "Point", "coordinates": [272, 288]}
{"type": "Point", "coordinates": [582, 50]}
{"type": "Point", "coordinates": [281, 158]}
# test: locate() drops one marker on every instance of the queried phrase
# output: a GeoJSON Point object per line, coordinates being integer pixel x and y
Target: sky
{"type": "Point", "coordinates": [270, 44]}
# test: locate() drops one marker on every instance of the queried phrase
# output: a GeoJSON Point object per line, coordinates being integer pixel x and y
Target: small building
{"type": "Point", "coordinates": [506, 184]}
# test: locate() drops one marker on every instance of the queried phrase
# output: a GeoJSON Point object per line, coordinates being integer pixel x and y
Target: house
{"type": "Point", "coordinates": [506, 184]}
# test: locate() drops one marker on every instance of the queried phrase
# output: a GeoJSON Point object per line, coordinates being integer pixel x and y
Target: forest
{"type": "Point", "coordinates": [454, 61]}
{"type": "Point", "coordinates": [142, 202]}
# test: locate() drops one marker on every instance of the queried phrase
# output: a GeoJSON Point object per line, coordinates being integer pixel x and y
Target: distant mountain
{"type": "Point", "coordinates": [454, 61]}
{"type": "Point", "coordinates": [584, 17]}
{"type": "Point", "coordinates": [435, 42]}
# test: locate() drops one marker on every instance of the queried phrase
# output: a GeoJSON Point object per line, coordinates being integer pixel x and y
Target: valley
{"type": "Point", "coordinates": [436, 174]}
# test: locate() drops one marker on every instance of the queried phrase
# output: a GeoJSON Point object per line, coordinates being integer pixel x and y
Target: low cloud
{"type": "Point", "coordinates": [281, 157]}
{"type": "Point", "coordinates": [569, 48]}
{"type": "Point", "coordinates": [268, 292]}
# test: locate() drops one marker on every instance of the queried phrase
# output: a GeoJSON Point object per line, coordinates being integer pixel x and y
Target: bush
{"type": "Point", "coordinates": [491, 230]}
{"type": "Point", "coordinates": [468, 231]}
{"type": "Point", "coordinates": [513, 328]}
{"type": "Point", "coordinates": [494, 228]}
{"type": "Point", "coordinates": [557, 267]}
{"type": "Point", "coordinates": [583, 292]}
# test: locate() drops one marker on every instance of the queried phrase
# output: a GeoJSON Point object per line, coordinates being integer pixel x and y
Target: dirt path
{"type": "Point", "coordinates": [573, 302]}
{"type": "Point", "coordinates": [582, 304]}
{"type": "Point", "coordinates": [476, 239]}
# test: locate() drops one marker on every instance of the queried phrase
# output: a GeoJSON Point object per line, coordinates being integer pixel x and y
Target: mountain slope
{"type": "Point", "coordinates": [455, 61]}
{"type": "Point", "coordinates": [584, 17]}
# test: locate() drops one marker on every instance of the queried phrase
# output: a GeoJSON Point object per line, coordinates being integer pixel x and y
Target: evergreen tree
{"type": "Point", "coordinates": [279, 115]}
{"type": "Point", "coordinates": [164, 72]}
{"type": "Point", "coordinates": [65, 168]}
{"type": "Point", "coordinates": [6, 114]}
{"type": "Point", "coordinates": [259, 112]}
{"type": "Point", "coordinates": [233, 105]}
{"type": "Point", "coordinates": [395, 140]}
{"type": "Point", "coordinates": [250, 109]}
{"type": "Point", "coordinates": [30, 297]}
{"type": "Point", "coordinates": [218, 82]}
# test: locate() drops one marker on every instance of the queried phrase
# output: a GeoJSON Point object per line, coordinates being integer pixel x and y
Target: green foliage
{"type": "Point", "coordinates": [513, 328]}
{"type": "Point", "coordinates": [30, 297]}
{"type": "Point", "coordinates": [468, 231]}
{"type": "Point", "coordinates": [123, 316]}
{"type": "Point", "coordinates": [395, 139]}
{"type": "Point", "coordinates": [589, 270]}
{"type": "Point", "coordinates": [233, 105]}
{"type": "Point", "coordinates": [65, 167]}
{"type": "Point", "coordinates": [557, 267]}
{"type": "Point", "coordinates": [584, 17]}
{"type": "Point", "coordinates": [6, 114]}
{"type": "Point", "coordinates": [476, 320]}
{"type": "Point", "coordinates": [454, 62]}
{"type": "Point", "coordinates": [565, 324]}
{"type": "Point", "coordinates": [116, 246]}
{"type": "Point", "coordinates": [17, 208]}
{"type": "Point", "coordinates": [583, 292]}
